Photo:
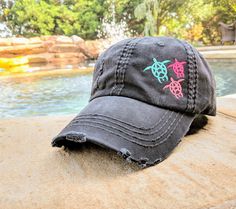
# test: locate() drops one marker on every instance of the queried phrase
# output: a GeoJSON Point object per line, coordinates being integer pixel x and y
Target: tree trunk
{"type": "Point", "coordinates": [158, 25]}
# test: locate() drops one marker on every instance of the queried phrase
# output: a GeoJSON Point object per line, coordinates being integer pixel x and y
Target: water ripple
{"type": "Point", "coordinates": [59, 95]}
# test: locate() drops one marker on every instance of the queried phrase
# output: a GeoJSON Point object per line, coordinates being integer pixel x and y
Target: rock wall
{"type": "Point", "coordinates": [51, 49]}
{"type": "Point", "coordinates": [218, 52]}
{"type": "Point", "coordinates": [73, 50]}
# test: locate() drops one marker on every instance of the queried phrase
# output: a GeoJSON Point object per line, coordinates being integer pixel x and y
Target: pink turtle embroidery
{"type": "Point", "coordinates": [178, 68]}
{"type": "Point", "coordinates": [175, 88]}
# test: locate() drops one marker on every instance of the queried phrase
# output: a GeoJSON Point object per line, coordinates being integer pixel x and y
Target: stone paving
{"type": "Point", "coordinates": [200, 173]}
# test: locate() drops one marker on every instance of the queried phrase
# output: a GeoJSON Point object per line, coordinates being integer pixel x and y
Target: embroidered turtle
{"type": "Point", "coordinates": [159, 70]}
{"type": "Point", "coordinates": [178, 68]}
{"type": "Point", "coordinates": [175, 87]}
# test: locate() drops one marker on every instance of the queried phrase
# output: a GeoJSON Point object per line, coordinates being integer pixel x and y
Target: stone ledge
{"type": "Point", "coordinates": [200, 173]}
{"type": "Point", "coordinates": [58, 47]}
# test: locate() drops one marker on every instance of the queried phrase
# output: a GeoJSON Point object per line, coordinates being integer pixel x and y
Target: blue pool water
{"type": "Point", "coordinates": [68, 94]}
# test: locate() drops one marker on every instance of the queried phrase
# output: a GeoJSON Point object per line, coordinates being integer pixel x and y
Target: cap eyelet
{"type": "Point", "coordinates": [159, 43]}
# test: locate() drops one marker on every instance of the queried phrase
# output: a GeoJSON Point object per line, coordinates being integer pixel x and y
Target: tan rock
{"type": "Point", "coordinates": [5, 42]}
{"type": "Point", "coordinates": [66, 61]}
{"type": "Point", "coordinates": [22, 50]}
{"type": "Point", "coordinates": [76, 39]}
{"type": "Point", "coordinates": [224, 54]}
{"type": "Point", "coordinates": [35, 40]}
{"type": "Point", "coordinates": [57, 48]}
{"type": "Point", "coordinates": [48, 38]}
{"type": "Point", "coordinates": [216, 48]}
{"type": "Point", "coordinates": [19, 41]}
{"type": "Point", "coordinates": [69, 55]}
{"type": "Point", "coordinates": [93, 48]}
{"type": "Point", "coordinates": [62, 48]}
{"type": "Point", "coordinates": [227, 106]}
{"type": "Point", "coordinates": [64, 40]}
{"type": "Point", "coordinates": [63, 58]}
{"type": "Point", "coordinates": [200, 173]}
{"type": "Point", "coordinates": [40, 58]}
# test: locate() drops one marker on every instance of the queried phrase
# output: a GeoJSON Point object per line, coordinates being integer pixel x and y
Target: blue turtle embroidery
{"type": "Point", "coordinates": [159, 70]}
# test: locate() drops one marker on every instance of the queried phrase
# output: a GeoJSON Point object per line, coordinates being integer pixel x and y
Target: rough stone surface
{"type": "Point", "coordinates": [200, 173]}
{"type": "Point", "coordinates": [21, 50]}
{"type": "Point", "coordinates": [5, 42]}
{"type": "Point", "coordinates": [94, 48]}
{"type": "Point", "coordinates": [19, 41]}
{"type": "Point", "coordinates": [58, 49]}
{"type": "Point", "coordinates": [64, 40]}
{"type": "Point", "coordinates": [62, 48]}
{"type": "Point", "coordinates": [76, 39]}
{"type": "Point", "coordinates": [218, 52]}
{"type": "Point", "coordinates": [35, 40]}
{"type": "Point", "coordinates": [35, 48]}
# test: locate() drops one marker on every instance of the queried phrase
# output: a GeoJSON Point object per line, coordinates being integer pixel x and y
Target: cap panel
{"type": "Point", "coordinates": [161, 71]}
{"type": "Point", "coordinates": [150, 73]}
{"type": "Point", "coordinates": [123, 61]}
{"type": "Point", "coordinates": [105, 75]}
{"type": "Point", "coordinates": [115, 106]}
{"type": "Point", "coordinates": [206, 98]}
{"type": "Point", "coordinates": [201, 83]}
{"type": "Point", "coordinates": [192, 81]}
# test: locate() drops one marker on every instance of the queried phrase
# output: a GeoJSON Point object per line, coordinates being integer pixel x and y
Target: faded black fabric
{"type": "Point", "coordinates": [140, 132]}
{"type": "Point", "coordinates": [133, 111]}
{"type": "Point", "coordinates": [119, 72]}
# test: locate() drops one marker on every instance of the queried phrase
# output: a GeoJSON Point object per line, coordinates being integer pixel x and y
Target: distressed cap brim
{"type": "Point", "coordinates": [118, 123]}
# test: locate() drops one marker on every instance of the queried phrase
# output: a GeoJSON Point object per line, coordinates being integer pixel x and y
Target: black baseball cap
{"type": "Point", "coordinates": [145, 94]}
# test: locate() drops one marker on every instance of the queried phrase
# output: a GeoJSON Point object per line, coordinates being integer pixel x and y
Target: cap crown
{"type": "Point", "coordinates": [162, 71]}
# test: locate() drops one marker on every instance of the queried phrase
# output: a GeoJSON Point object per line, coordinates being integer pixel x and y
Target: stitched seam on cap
{"type": "Point", "coordinates": [100, 72]}
{"type": "Point", "coordinates": [191, 89]}
{"type": "Point", "coordinates": [117, 67]}
{"type": "Point", "coordinates": [131, 50]}
{"type": "Point", "coordinates": [196, 81]}
{"type": "Point", "coordinates": [123, 53]}
{"type": "Point", "coordinates": [122, 63]}
{"type": "Point", "coordinates": [124, 122]}
{"type": "Point", "coordinates": [160, 130]}
{"type": "Point", "coordinates": [189, 61]}
{"type": "Point", "coordinates": [195, 78]}
{"type": "Point", "coordinates": [136, 142]}
{"type": "Point", "coordinates": [133, 138]}
{"type": "Point", "coordinates": [153, 131]}
{"type": "Point", "coordinates": [125, 62]}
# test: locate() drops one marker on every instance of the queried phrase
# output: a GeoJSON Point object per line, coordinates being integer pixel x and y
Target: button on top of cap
{"type": "Point", "coordinates": [160, 43]}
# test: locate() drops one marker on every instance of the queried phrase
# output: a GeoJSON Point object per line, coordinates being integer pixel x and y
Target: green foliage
{"type": "Point", "coordinates": [186, 22]}
{"type": "Point", "coordinates": [194, 20]}
{"type": "Point", "coordinates": [88, 15]}
{"type": "Point", "coordinates": [125, 11]}
{"type": "Point", "coordinates": [209, 14]}
{"type": "Point", "coordinates": [157, 13]}
{"type": "Point", "coordinates": [46, 17]}
{"type": "Point", "coordinates": [31, 18]}
{"type": "Point", "coordinates": [148, 10]}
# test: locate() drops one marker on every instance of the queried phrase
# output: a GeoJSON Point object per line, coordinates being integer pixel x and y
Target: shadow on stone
{"type": "Point", "coordinates": [198, 123]}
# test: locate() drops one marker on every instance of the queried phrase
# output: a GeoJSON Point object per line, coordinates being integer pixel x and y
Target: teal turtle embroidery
{"type": "Point", "coordinates": [159, 70]}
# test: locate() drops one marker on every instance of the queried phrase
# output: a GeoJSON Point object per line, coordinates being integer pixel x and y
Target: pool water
{"type": "Point", "coordinates": [68, 94]}
{"type": "Point", "coordinates": [225, 76]}
{"type": "Point", "coordinates": [53, 95]}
